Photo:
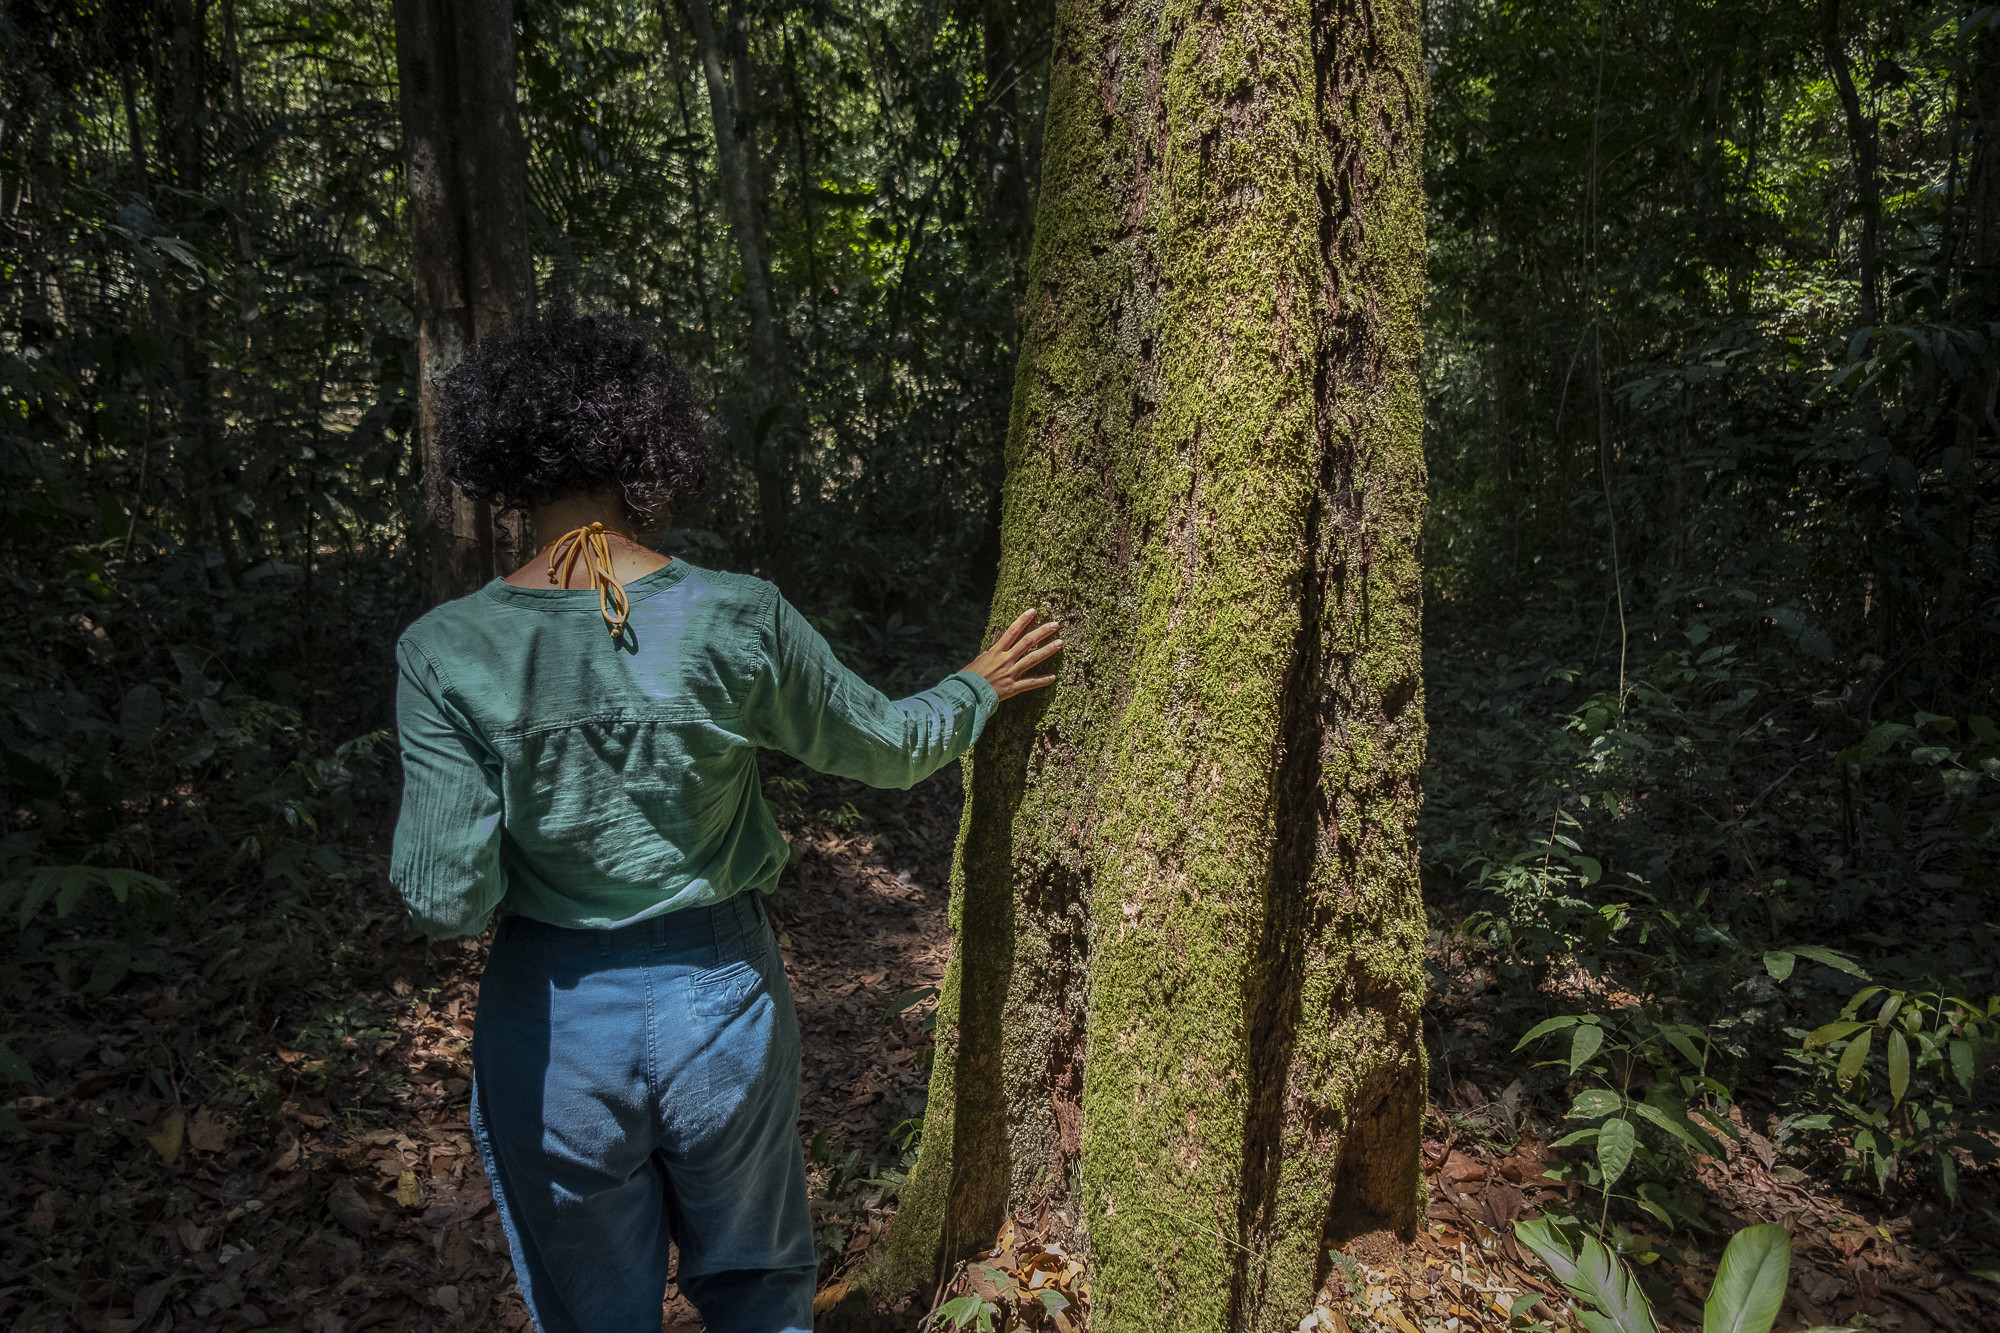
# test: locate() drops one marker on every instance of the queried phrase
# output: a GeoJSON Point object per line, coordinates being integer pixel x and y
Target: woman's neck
{"type": "Point", "coordinates": [630, 556]}
{"type": "Point", "coordinates": [571, 512]}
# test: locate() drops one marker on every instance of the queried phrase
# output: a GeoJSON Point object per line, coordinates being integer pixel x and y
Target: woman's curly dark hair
{"type": "Point", "coordinates": [564, 401]}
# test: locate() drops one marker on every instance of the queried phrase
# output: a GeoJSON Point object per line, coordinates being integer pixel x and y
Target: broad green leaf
{"type": "Point", "coordinates": [1584, 1044]}
{"type": "Point", "coordinates": [1594, 1275]}
{"type": "Point", "coordinates": [1680, 1129]}
{"type": "Point", "coordinates": [1720, 1121]}
{"type": "Point", "coordinates": [140, 715]}
{"type": "Point", "coordinates": [1594, 1102]}
{"type": "Point", "coordinates": [961, 1311]}
{"type": "Point", "coordinates": [1832, 958]}
{"type": "Point", "coordinates": [1682, 1043]}
{"type": "Point", "coordinates": [71, 893]}
{"type": "Point", "coordinates": [1591, 868]}
{"type": "Point", "coordinates": [1833, 1032]}
{"type": "Point", "coordinates": [1615, 1142]}
{"type": "Point", "coordinates": [1576, 1136]}
{"type": "Point", "coordinates": [1546, 1026]}
{"type": "Point", "coordinates": [1962, 1063]}
{"type": "Point", "coordinates": [13, 1068]}
{"type": "Point", "coordinates": [1899, 1067]}
{"type": "Point", "coordinates": [1889, 1008]}
{"type": "Point", "coordinates": [1053, 1301]}
{"type": "Point", "coordinates": [1851, 1059]}
{"type": "Point", "coordinates": [1779, 964]}
{"type": "Point", "coordinates": [1859, 998]}
{"type": "Point", "coordinates": [1750, 1284]}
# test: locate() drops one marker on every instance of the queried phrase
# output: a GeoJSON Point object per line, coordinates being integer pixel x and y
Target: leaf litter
{"type": "Point", "coordinates": [274, 1134]}
{"type": "Point", "coordinates": [225, 1145]}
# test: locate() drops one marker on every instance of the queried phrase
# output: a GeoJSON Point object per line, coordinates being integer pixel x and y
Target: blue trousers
{"type": "Point", "coordinates": [641, 1085]}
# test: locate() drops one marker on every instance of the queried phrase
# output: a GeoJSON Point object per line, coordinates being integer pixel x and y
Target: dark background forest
{"type": "Point", "coordinates": [1712, 599]}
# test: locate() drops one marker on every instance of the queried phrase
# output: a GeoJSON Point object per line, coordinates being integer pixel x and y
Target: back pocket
{"type": "Point", "coordinates": [726, 990]}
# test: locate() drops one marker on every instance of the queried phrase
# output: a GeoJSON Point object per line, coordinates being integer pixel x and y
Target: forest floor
{"type": "Point", "coordinates": [189, 1171]}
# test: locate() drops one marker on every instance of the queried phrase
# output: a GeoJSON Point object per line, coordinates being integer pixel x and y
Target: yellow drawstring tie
{"type": "Point", "coordinates": [590, 545]}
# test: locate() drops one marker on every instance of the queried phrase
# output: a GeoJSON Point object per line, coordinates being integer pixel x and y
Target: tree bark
{"type": "Point", "coordinates": [1862, 145]}
{"type": "Point", "coordinates": [1181, 1019]}
{"type": "Point", "coordinates": [770, 423]}
{"type": "Point", "coordinates": [466, 174]}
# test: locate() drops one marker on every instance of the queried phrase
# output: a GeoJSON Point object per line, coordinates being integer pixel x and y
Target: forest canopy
{"type": "Point", "coordinates": [1711, 358]}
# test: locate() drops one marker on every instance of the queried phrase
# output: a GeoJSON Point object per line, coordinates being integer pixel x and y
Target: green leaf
{"type": "Point", "coordinates": [1779, 964]}
{"type": "Point", "coordinates": [1594, 1275]}
{"type": "Point", "coordinates": [961, 1311]}
{"type": "Point", "coordinates": [1594, 1102]}
{"type": "Point", "coordinates": [13, 1068]}
{"type": "Point", "coordinates": [1859, 998]}
{"type": "Point", "coordinates": [1681, 1042]}
{"type": "Point", "coordinates": [1546, 1026]}
{"type": "Point", "coordinates": [1851, 1058]}
{"type": "Point", "coordinates": [1832, 958]}
{"type": "Point", "coordinates": [140, 715]}
{"type": "Point", "coordinates": [71, 892]}
{"type": "Point", "coordinates": [1750, 1284]}
{"type": "Point", "coordinates": [1615, 1142]}
{"type": "Point", "coordinates": [1590, 866]}
{"type": "Point", "coordinates": [1899, 1067]}
{"type": "Point", "coordinates": [1833, 1032]}
{"type": "Point", "coordinates": [1680, 1129]}
{"type": "Point", "coordinates": [1584, 1044]}
{"type": "Point", "coordinates": [1053, 1301]}
{"type": "Point", "coordinates": [1962, 1063]}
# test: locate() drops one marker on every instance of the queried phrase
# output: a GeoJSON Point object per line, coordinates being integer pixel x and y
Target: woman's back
{"type": "Point", "coordinates": [590, 781]}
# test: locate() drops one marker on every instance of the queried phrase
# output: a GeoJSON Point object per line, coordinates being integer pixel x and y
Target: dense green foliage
{"type": "Point", "coordinates": [1715, 601]}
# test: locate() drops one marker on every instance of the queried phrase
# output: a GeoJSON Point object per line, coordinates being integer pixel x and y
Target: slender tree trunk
{"type": "Point", "coordinates": [1011, 205]}
{"type": "Point", "coordinates": [466, 173]}
{"type": "Point", "coordinates": [771, 424]}
{"type": "Point", "coordinates": [1181, 1020]}
{"type": "Point", "coordinates": [1861, 143]}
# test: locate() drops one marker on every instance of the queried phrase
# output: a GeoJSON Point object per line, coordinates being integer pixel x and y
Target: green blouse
{"type": "Point", "coordinates": [553, 771]}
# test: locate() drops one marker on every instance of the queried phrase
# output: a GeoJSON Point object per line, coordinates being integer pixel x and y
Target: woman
{"type": "Point", "coordinates": [579, 751]}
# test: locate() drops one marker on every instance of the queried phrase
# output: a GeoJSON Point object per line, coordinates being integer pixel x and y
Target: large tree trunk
{"type": "Point", "coordinates": [1182, 1016]}
{"type": "Point", "coordinates": [772, 422]}
{"type": "Point", "coordinates": [466, 173]}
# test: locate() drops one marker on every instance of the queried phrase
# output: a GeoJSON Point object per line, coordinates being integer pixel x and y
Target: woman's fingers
{"type": "Point", "coordinates": [1039, 655]}
{"type": "Point", "coordinates": [1013, 631]}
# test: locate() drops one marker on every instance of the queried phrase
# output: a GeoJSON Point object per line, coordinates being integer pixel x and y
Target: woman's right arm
{"type": "Point", "coordinates": [446, 858]}
{"type": "Point", "coordinates": [816, 710]}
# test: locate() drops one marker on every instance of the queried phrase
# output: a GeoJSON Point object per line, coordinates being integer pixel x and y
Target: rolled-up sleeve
{"type": "Point", "coordinates": [446, 857]}
{"type": "Point", "coordinates": [816, 710]}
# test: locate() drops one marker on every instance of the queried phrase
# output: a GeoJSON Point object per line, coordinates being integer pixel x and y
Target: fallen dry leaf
{"type": "Point", "coordinates": [208, 1132]}
{"type": "Point", "coordinates": [166, 1136]}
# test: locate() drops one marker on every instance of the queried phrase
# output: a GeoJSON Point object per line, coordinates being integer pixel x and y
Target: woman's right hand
{"type": "Point", "coordinates": [1015, 653]}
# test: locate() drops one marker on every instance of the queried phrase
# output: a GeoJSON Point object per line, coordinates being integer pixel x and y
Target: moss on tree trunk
{"type": "Point", "coordinates": [1182, 1012]}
